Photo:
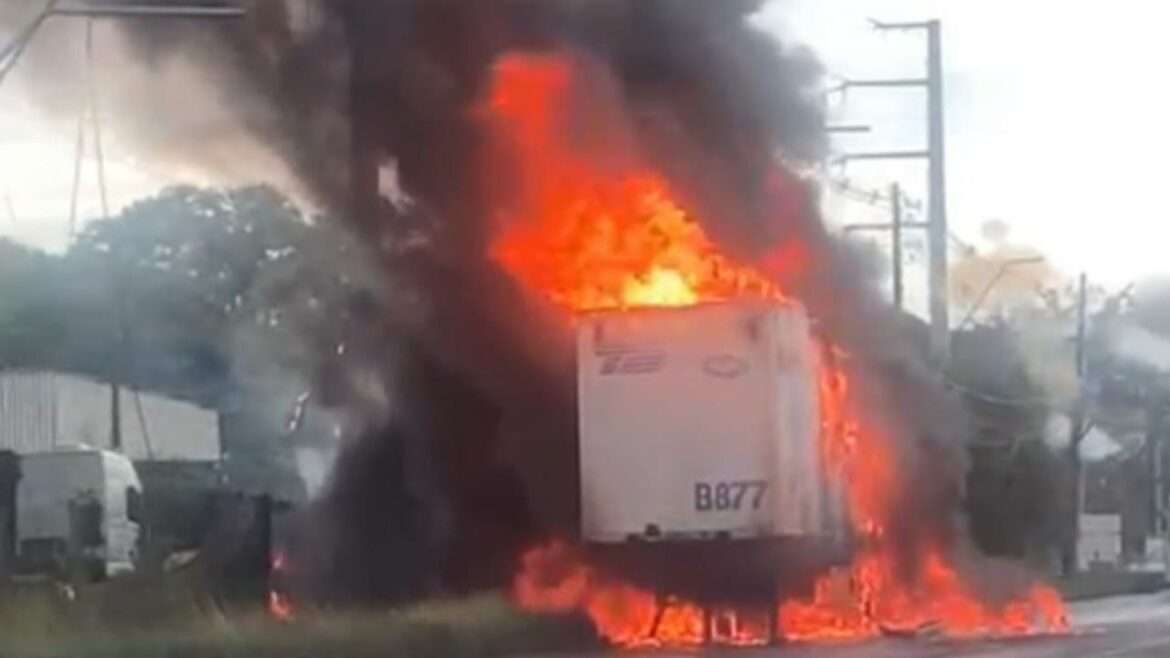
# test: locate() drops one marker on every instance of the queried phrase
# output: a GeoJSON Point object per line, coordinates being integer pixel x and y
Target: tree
{"type": "Point", "coordinates": [1018, 369]}
{"type": "Point", "coordinates": [1013, 486]}
{"type": "Point", "coordinates": [232, 299]}
{"type": "Point", "coordinates": [31, 323]}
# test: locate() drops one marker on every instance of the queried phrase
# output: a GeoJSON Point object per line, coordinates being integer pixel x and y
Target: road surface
{"type": "Point", "coordinates": [1122, 627]}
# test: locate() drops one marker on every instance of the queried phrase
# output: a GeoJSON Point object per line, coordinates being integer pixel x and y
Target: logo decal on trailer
{"type": "Point", "coordinates": [631, 361]}
{"type": "Point", "coordinates": [726, 366]}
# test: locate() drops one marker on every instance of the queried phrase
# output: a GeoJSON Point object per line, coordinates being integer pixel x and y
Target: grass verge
{"type": "Point", "coordinates": [41, 625]}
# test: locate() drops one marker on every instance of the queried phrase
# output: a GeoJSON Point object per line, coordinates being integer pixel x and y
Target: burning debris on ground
{"type": "Point", "coordinates": [557, 161]}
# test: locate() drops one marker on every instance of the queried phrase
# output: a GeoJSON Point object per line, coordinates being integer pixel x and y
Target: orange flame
{"type": "Point", "coordinates": [279, 606]}
{"type": "Point", "coordinates": [588, 236]}
{"type": "Point", "coordinates": [553, 578]}
{"type": "Point", "coordinates": [869, 597]}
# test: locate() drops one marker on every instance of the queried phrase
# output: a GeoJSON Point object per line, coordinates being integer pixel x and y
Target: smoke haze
{"type": "Point", "coordinates": [473, 453]}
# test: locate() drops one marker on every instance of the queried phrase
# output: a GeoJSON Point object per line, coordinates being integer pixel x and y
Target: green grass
{"type": "Point", "coordinates": [35, 623]}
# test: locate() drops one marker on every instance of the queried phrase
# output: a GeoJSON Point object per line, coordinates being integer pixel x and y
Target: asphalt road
{"type": "Point", "coordinates": [1129, 627]}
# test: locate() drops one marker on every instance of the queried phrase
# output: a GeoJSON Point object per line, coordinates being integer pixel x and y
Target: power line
{"type": "Point", "coordinates": [1038, 403]}
{"type": "Point", "coordinates": [18, 43]}
{"type": "Point", "coordinates": [982, 296]}
{"type": "Point", "coordinates": [881, 200]}
{"type": "Point", "coordinates": [95, 116]}
{"type": "Point", "coordinates": [12, 52]}
{"type": "Point", "coordinates": [142, 422]}
{"type": "Point", "coordinates": [150, 11]}
{"type": "Point", "coordinates": [872, 198]}
{"type": "Point", "coordinates": [964, 246]}
{"type": "Point", "coordinates": [78, 156]}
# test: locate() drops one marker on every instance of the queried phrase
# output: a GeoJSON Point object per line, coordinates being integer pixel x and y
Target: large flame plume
{"type": "Point", "coordinates": [589, 231]}
{"type": "Point", "coordinates": [592, 238]}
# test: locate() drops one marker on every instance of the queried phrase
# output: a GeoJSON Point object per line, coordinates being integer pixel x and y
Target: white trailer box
{"type": "Point", "coordinates": [701, 422]}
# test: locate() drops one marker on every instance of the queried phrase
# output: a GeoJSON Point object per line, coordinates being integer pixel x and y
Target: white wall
{"type": "Point", "coordinates": [41, 410]}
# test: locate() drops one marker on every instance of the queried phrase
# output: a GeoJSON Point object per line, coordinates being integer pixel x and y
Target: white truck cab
{"type": "Point", "coordinates": [78, 500]}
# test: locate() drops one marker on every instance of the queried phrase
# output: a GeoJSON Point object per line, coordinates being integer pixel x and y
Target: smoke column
{"type": "Point", "coordinates": [474, 454]}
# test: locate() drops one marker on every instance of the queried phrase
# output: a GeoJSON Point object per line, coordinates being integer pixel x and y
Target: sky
{"type": "Point", "coordinates": [1055, 117]}
{"type": "Point", "coordinates": [1055, 125]}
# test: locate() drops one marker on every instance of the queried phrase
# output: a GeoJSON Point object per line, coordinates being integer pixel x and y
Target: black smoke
{"type": "Point", "coordinates": [477, 453]}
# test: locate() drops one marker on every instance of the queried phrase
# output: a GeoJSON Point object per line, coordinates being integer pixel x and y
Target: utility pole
{"type": "Point", "coordinates": [1076, 430]}
{"type": "Point", "coordinates": [10, 54]}
{"type": "Point", "coordinates": [116, 432]}
{"type": "Point", "coordinates": [896, 237]}
{"type": "Point", "coordinates": [11, 51]}
{"type": "Point", "coordinates": [935, 155]}
{"type": "Point", "coordinates": [895, 227]}
{"type": "Point", "coordinates": [1155, 417]}
{"type": "Point", "coordinates": [939, 299]}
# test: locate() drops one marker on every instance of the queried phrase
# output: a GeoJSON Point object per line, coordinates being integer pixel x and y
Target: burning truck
{"type": "Point", "coordinates": [740, 480]}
